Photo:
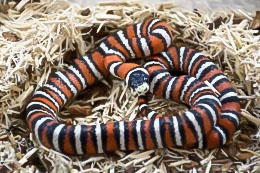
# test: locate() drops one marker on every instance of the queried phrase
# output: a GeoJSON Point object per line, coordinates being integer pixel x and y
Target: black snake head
{"type": "Point", "coordinates": [138, 79]}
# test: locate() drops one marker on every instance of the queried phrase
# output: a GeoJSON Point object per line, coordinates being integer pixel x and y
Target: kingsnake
{"type": "Point", "coordinates": [153, 36]}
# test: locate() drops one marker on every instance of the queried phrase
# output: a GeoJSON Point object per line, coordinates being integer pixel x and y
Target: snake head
{"type": "Point", "coordinates": [138, 79]}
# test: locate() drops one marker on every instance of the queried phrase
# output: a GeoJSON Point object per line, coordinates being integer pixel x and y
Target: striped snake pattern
{"type": "Point", "coordinates": [210, 118]}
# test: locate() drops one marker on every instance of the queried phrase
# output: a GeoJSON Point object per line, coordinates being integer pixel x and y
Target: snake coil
{"type": "Point", "coordinates": [209, 119]}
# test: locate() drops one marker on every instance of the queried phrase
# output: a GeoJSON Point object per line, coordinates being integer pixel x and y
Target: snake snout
{"type": "Point", "coordinates": [144, 88]}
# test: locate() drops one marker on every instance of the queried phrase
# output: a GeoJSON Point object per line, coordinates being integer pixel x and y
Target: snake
{"type": "Point", "coordinates": [149, 39]}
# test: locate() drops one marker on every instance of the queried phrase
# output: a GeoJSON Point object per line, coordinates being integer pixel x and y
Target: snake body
{"type": "Point", "coordinates": [145, 39]}
{"type": "Point", "coordinates": [211, 121]}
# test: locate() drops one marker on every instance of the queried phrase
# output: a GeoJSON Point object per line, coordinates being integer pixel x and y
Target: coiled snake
{"type": "Point", "coordinates": [209, 123]}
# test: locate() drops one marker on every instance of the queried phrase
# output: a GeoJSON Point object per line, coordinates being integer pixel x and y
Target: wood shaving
{"type": "Point", "coordinates": [35, 37]}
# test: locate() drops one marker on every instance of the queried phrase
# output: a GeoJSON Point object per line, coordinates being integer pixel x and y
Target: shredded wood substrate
{"type": "Point", "coordinates": [39, 38]}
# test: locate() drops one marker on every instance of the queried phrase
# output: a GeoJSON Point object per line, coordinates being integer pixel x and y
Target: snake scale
{"type": "Point", "coordinates": [209, 123]}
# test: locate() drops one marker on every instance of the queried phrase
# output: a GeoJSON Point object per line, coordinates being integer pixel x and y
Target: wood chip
{"type": "Point", "coordinates": [85, 12]}
{"type": "Point", "coordinates": [102, 16]}
{"type": "Point", "coordinates": [10, 36]}
{"type": "Point", "coordinates": [256, 22]}
{"type": "Point", "coordinates": [21, 4]}
{"type": "Point", "coordinates": [250, 117]}
{"type": "Point", "coordinates": [245, 156]}
{"type": "Point", "coordinates": [253, 152]}
{"type": "Point", "coordinates": [36, 37]}
{"type": "Point", "coordinates": [113, 3]}
{"type": "Point", "coordinates": [80, 110]}
{"type": "Point", "coordinates": [28, 155]}
{"type": "Point", "coordinates": [226, 166]}
{"type": "Point", "coordinates": [178, 163]}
